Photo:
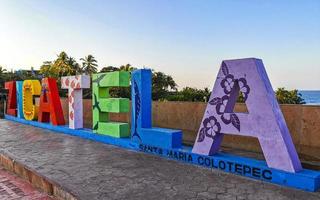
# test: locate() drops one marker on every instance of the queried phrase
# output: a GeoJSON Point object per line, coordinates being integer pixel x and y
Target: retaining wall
{"type": "Point", "coordinates": [303, 122]}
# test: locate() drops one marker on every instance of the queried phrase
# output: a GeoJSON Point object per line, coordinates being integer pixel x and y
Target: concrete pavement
{"type": "Point", "coordinates": [83, 169]}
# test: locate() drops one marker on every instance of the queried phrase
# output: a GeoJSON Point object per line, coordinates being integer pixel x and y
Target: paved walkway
{"type": "Point", "coordinates": [91, 170]}
{"type": "Point", "coordinates": [13, 188]}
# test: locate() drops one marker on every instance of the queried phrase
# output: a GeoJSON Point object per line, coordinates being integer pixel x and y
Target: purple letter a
{"type": "Point", "coordinates": [264, 119]}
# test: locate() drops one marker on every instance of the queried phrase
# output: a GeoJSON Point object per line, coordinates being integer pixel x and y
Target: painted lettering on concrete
{"type": "Point", "coordinates": [210, 162]}
{"type": "Point", "coordinates": [264, 119]}
{"type": "Point", "coordinates": [75, 85]}
{"type": "Point", "coordinates": [103, 103]}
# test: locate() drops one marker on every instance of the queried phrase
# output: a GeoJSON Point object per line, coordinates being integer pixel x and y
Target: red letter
{"type": "Point", "coordinates": [50, 106]}
{"type": "Point", "coordinates": [12, 98]}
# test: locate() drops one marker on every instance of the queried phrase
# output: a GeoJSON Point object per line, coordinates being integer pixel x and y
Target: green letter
{"type": "Point", "coordinates": [103, 104]}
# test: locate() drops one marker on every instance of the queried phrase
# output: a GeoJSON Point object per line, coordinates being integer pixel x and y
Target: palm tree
{"type": "Point", "coordinates": [109, 69]}
{"type": "Point", "coordinates": [127, 68]}
{"type": "Point", "coordinates": [74, 65]}
{"type": "Point", "coordinates": [2, 70]}
{"type": "Point", "coordinates": [45, 69]}
{"type": "Point", "coordinates": [60, 66]}
{"type": "Point", "coordinates": [89, 64]}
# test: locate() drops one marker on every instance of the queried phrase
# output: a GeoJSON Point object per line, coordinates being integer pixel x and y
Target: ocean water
{"type": "Point", "coordinates": [311, 97]}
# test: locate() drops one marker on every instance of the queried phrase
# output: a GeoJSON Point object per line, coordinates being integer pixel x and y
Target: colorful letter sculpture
{"type": "Point", "coordinates": [264, 120]}
{"type": "Point", "coordinates": [243, 77]}
{"type": "Point", "coordinates": [19, 99]}
{"type": "Point", "coordinates": [50, 109]}
{"type": "Point", "coordinates": [104, 104]}
{"type": "Point", "coordinates": [141, 115]}
{"type": "Point", "coordinates": [75, 84]}
{"type": "Point", "coordinates": [30, 89]}
{"type": "Point", "coordinates": [12, 98]}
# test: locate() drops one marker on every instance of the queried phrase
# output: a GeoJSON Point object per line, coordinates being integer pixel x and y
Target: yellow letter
{"type": "Point", "coordinates": [30, 88]}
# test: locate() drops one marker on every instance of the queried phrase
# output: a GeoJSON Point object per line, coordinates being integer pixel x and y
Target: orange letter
{"type": "Point", "coordinates": [50, 106]}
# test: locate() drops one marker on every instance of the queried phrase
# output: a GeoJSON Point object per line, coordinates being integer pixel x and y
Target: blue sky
{"type": "Point", "coordinates": [187, 39]}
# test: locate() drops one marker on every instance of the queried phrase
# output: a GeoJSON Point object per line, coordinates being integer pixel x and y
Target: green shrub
{"type": "Point", "coordinates": [289, 96]}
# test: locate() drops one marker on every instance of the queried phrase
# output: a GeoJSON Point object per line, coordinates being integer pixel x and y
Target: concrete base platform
{"type": "Point", "coordinates": [305, 179]}
{"type": "Point", "coordinates": [71, 167]}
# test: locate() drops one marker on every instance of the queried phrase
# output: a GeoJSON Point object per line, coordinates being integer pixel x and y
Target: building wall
{"type": "Point", "coordinates": [303, 122]}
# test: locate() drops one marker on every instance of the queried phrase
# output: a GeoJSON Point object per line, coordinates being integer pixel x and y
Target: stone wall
{"type": "Point", "coordinates": [302, 120]}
